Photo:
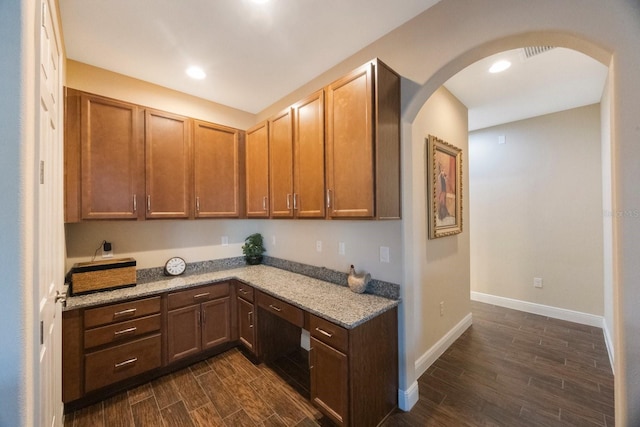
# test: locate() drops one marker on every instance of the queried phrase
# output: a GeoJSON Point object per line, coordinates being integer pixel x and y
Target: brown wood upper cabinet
{"type": "Point", "coordinates": [104, 158]}
{"type": "Point", "coordinates": [257, 171]}
{"type": "Point", "coordinates": [168, 165]}
{"type": "Point", "coordinates": [363, 144]}
{"type": "Point", "coordinates": [216, 171]}
{"type": "Point", "coordinates": [124, 161]}
{"type": "Point", "coordinates": [296, 160]}
{"type": "Point", "coordinates": [281, 164]}
{"type": "Point", "coordinates": [308, 142]}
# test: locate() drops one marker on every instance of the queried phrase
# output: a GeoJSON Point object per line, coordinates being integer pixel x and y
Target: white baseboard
{"type": "Point", "coordinates": [409, 397]}
{"type": "Point", "coordinates": [554, 312]}
{"type": "Point", "coordinates": [431, 355]}
{"type": "Point", "coordinates": [542, 310]}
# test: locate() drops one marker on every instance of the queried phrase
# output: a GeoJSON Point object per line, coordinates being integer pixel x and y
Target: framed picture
{"type": "Point", "coordinates": [444, 173]}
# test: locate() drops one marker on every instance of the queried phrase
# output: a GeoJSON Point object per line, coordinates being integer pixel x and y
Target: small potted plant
{"type": "Point", "coordinates": [253, 249]}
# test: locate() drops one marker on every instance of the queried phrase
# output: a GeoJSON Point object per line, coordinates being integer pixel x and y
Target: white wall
{"type": "Point", "coordinates": [151, 243]}
{"type": "Point", "coordinates": [608, 219]}
{"type": "Point", "coordinates": [536, 205]}
{"type": "Point", "coordinates": [12, 124]}
{"type": "Point", "coordinates": [441, 266]}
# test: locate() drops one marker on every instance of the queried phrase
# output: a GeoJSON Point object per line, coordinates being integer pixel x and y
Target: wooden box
{"type": "Point", "coordinates": [95, 276]}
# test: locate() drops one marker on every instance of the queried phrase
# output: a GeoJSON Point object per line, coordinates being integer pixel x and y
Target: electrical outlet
{"type": "Point", "coordinates": [273, 240]}
{"type": "Point", "coordinates": [225, 240]}
{"type": "Point", "coordinates": [537, 282]}
{"type": "Point", "coordinates": [107, 250]}
{"type": "Point", "coordinates": [384, 254]}
{"type": "Point", "coordinates": [319, 245]}
{"type": "Point", "coordinates": [341, 248]}
{"type": "Point", "coordinates": [441, 308]}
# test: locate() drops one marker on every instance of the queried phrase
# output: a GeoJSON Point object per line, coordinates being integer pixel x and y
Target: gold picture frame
{"type": "Point", "coordinates": [444, 175]}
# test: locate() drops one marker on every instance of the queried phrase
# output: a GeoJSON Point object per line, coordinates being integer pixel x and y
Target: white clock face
{"type": "Point", "coordinates": [175, 266]}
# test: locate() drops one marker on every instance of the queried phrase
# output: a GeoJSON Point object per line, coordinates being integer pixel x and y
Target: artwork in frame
{"type": "Point", "coordinates": [444, 174]}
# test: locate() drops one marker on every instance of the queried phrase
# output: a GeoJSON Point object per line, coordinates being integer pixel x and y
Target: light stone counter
{"type": "Point", "coordinates": [332, 302]}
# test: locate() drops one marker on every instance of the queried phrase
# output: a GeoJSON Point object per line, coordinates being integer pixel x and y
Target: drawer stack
{"type": "Point", "coordinates": [121, 341]}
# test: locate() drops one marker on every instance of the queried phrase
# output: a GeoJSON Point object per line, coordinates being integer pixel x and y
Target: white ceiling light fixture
{"type": "Point", "coordinates": [260, 1]}
{"type": "Point", "coordinates": [196, 73]}
{"type": "Point", "coordinates": [499, 66]}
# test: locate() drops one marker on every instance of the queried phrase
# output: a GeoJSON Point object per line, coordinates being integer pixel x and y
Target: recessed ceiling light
{"type": "Point", "coordinates": [260, 1]}
{"type": "Point", "coordinates": [196, 73]}
{"type": "Point", "coordinates": [499, 66]}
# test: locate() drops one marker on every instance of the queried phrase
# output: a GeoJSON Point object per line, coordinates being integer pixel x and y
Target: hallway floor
{"type": "Point", "coordinates": [509, 369]}
{"type": "Point", "coordinates": [517, 369]}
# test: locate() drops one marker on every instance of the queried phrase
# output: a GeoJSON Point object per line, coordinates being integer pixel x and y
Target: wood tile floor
{"type": "Point", "coordinates": [517, 369]}
{"type": "Point", "coordinates": [509, 369]}
{"type": "Point", "coordinates": [225, 390]}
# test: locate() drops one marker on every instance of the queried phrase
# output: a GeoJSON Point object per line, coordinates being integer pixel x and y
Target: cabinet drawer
{"type": "Point", "coordinates": [288, 312]}
{"type": "Point", "coordinates": [119, 312]}
{"type": "Point", "coordinates": [121, 331]}
{"type": "Point", "coordinates": [245, 292]}
{"type": "Point", "coordinates": [329, 333]}
{"type": "Point", "coordinates": [117, 363]}
{"type": "Point", "coordinates": [197, 295]}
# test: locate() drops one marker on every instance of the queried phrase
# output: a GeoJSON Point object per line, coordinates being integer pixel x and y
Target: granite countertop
{"type": "Point", "coordinates": [332, 302]}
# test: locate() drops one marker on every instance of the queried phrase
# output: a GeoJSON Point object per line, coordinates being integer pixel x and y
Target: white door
{"type": "Point", "coordinates": [49, 228]}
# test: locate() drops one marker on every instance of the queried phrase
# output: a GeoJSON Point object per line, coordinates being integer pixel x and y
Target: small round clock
{"type": "Point", "coordinates": [175, 266]}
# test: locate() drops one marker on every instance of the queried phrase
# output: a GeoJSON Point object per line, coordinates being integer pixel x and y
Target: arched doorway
{"type": "Point", "coordinates": [413, 244]}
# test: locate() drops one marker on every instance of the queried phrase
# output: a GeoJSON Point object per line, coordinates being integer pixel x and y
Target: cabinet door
{"type": "Point", "coordinates": [168, 165]}
{"type": "Point", "coordinates": [111, 156]}
{"type": "Point", "coordinates": [329, 374]}
{"type": "Point", "coordinates": [183, 332]}
{"type": "Point", "coordinates": [309, 200]}
{"type": "Point", "coordinates": [350, 157]}
{"type": "Point", "coordinates": [257, 171]}
{"type": "Point", "coordinates": [281, 164]}
{"type": "Point", "coordinates": [246, 324]}
{"type": "Point", "coordinates": [216, 171]}
{"type": "Point", "coordinates": [216, 323]}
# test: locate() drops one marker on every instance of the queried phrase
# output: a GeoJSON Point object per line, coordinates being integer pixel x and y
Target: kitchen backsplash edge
{"type": "Point", "coordinates": [375, 287]}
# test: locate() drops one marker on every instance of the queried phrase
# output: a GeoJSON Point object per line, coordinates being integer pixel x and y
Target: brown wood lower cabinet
{"type": "Point", "coordinates": [329, 370]}
{"type": "Point", "coordinates": [202, 324]}
{"type": "Point", "coordinates": [109, 348]}
{"type": "Point", "coordinates": [113, 364]}
{"type": "Point", "coordinates": [246, 323]}
{"type": "Point", "coordinates": [354, 372]}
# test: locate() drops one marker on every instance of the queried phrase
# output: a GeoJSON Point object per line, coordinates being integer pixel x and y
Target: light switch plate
{"type": "Point", "coordinates": [384, 254]}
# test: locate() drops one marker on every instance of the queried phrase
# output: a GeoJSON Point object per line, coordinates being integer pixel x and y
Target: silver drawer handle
{"type": "Point", "coordinates": [325, 333]}
{"type": "Point", "coordinates": [243, 291]}
{"type": "Point", "coordinates": [274, 307]}
{"type": "Point", "coordinates": [126, 362]}
{"type": "Point", "coordinates": [128, 312]}
{"type": "Point", "coordinates": [250, 320]}
{"type": "Point", "coordinates": [125, 331]}
{"type": "Point", "coordinates": [202, 295]}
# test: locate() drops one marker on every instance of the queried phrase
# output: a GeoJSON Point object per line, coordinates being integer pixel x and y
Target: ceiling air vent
{"type": "Point", "coordinates": [535, 50]}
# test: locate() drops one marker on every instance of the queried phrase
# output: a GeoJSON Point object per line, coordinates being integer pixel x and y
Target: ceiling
{"type": "Point", "coordinates": [554, 80]}
{"type": "Point", "coordinates": [256, 53]}
{"type": "Point", "coordinates": [253, 53]}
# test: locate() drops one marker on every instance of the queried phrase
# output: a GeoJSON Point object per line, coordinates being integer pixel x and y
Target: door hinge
{"type": "Point", "coordinates": [41, 332]}
{"type": "Point", "coordinates": [41, 171]}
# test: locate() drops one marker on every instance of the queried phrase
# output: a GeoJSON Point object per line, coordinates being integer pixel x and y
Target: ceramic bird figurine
{"type": "Point", "coordinates": [358, 282]}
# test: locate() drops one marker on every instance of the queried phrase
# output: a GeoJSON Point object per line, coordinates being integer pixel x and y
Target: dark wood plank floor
{"type": "Point", "coordinates": [225, 390]}
{"type": "Point", "coordinates": [517, 369]}
{"type": "Point", "coordinates": [509, 369]}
